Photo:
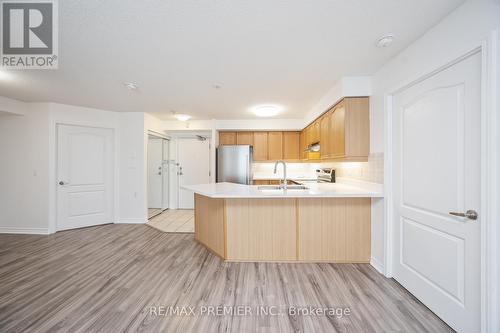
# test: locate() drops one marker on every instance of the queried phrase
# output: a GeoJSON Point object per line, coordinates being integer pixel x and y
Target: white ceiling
{"type": "Point", "coordinates": [287, 52]}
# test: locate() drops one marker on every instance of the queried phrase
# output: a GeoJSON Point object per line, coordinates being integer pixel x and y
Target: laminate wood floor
{"type": "Point", "coordinates": [113, 278]}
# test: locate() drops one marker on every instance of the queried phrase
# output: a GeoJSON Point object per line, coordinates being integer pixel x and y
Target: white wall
{"type": "Point", "coordinates": [349, 86]}
{"type": "Point", "coordinates": [24, 170]}
{"type": "Point", "coordinates": [12, 106]}
{"type": "Point", "coordinates": [28, 163]}
{"type": "Point", "coordinates": [133, 185]}
{"type": "Point", "coordinates": [463, 30]}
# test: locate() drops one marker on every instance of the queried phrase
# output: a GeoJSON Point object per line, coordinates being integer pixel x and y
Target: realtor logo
{"type": "Point", "coordinates": [29, 34]}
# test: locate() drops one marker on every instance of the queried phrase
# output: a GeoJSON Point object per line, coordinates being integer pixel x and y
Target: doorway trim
{"type": "Point", "coordinates": [54, 124]}
{"type": "Point", "coordinates": [489, 184]}
{"type": "Point", "coordinates": [168, 139]}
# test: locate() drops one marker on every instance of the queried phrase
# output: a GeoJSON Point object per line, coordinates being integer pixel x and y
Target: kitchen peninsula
{"type": "Point", "coordinates": [323, 223]}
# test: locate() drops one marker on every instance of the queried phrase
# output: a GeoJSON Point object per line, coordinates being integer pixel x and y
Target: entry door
{"type": "Point", "coordinates": [437, 172]}
{"type": "Point", "coordinates": [84, 176]}
{"type": "Point", "coordinates": [194, 167]}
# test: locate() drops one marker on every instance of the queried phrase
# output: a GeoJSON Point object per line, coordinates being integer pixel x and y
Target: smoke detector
{"type": "Point", "coordinates": [385, 40]}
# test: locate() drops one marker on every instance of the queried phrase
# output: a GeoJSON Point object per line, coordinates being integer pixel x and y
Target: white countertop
{"type": "Point", "coordinates": [315, 190]}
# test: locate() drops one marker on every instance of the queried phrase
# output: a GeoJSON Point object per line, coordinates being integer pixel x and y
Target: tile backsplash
{"type": "Point", "coordinates": [371, 171]}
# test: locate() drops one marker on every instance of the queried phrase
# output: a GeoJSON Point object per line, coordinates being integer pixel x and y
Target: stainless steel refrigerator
{"type": "Point", "coordinates": [234, 164]}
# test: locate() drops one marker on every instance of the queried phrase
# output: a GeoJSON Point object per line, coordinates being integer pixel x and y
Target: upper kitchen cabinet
{"type": "Point", "coordinates": [291, 145]}
{"type": "Point", "coordinates": [350, 130]}
{"type": "Point", "coordinates": [227, 138]}
{"type": "Point", "coordinates": [275, 146]}
{"type": "Point", "coordinates": [260, 146]}
{"type": "Point", "coordinates": [303, 145]}
{"type": "Point", "coordinates": [244, 138]}
{"type": "Point", "coordinates": [313, 132]}
{"type": "Point", "coordinates": [325, 135]}
{"type": "Point", "coordinates": [316, 131]}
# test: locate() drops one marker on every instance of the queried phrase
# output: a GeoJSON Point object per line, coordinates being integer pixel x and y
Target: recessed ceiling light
{"type": "Point", "coordinates": [385, 40]}
{"type": "Point", "coordinates": [267, 110]}
{"type": "Point", "coordinates": [182, 117]}
{"type": "Point", "coordinates": [131, 85]}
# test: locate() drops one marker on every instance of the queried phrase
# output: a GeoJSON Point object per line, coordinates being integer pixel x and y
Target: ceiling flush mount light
{"type": "Point", "coordinates": [385, 40]}
{"type": "Point", "coordinates": [267, 110]}
{"type": "Point", "coordinates": [181, 116]}
{"type": "Point", "coordinates": [131, 86]}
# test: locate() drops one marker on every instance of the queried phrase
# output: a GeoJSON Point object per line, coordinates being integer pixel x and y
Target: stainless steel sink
{"type": "Point", "coordinates": [279, 188]}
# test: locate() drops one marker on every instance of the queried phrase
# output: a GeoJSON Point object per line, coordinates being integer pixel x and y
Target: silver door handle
{"type": "Point", "coordinates": [470, 214]}
{"type": "Point", "coordinates": [63, 183]}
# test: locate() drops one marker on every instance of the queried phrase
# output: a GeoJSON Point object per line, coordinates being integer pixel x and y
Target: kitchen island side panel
{"type": "Point", "coordinates": [334, 230]}
{"type": "Point", "coordinates": [261, 229]}
{"type": "Point", "coordinates": [209, 223]}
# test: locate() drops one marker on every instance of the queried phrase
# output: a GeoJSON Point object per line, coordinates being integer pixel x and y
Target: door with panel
{"type": "Point", "coordinates": [194, 167]}
{"type": "Point", "coordinates": [437, 175]}
{"type": "Point", "coordinates": [291, 145]}
{"type": "Point", "coordinates": [325, 133]}
{"type": "Point", "coordinates": [227, 138]}
{"type": "Point", "coordinates": [155, 175]}
{"type": "Point", "coordinates": [275, 146]}
{"type": "Point", "coordinates": [244, 138]}
{"type": "Point", "coordinates": [260, 148]}
{"type": "Point", "coordinates": [85, 176]}
{"type": "Point", "coordinates": [166, 174]}
{"type": "Point", "coordinates": [337, 126]}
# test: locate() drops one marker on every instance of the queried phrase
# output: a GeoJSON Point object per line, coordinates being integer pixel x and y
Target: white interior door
{"type": "Point", "coordinates": [437, 171]}
{"type": "Point", "coordinates": [155, 173]}
{"type": "Point", "coordinates": [194, 167]}
{"type": "Point", "coordinates": [85, 176]}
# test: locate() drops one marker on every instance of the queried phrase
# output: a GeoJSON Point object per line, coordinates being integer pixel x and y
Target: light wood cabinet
{"type": "Point", "coordinates": [267, 146]}
{"type": "Point", "coordinates": [307, 135]}
{"type": "Point", "coordinates": [260, 146]}
{"type": "Point", "coordinates": [244, 138]}
{"type": "Point", "coordinates": [291, 145]}
{"type": "Point", "coordinates": [303, 145]}
{"type": "Point", "coordinates": [325, 136]}
{"type": "Point", "coordinates": [350, 125]}
{"type": "Point", "coordinates": [275, 146]}
{"type": "Point", "coordinates": [337, 124]}
{"type": "Point", "coordinates": [315, 131]}
{"type": "Point", "coordinates": [261, 182]}
{"type": "Point", "coordinates": [227, 138]}
{"type": "Point", "coordinates": [343, 133]}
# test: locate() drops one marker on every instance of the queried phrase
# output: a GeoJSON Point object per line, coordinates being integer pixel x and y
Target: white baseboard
{"type": "Point", "coordinates": [130, 221]}
{"type": "Point", "coordinates": [377, 265]}
{"type": "Point", "coordinates": [25, 231]}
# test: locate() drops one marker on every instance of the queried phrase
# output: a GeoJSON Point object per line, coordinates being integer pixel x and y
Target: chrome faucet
{"type": "Point", "coordinates": [284, 172]}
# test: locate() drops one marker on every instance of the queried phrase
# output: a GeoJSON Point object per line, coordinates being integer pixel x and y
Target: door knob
{"type": "Point", "coordinates": [63, 183]}
{"type": "Point", "coordinates": [470, 214]}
